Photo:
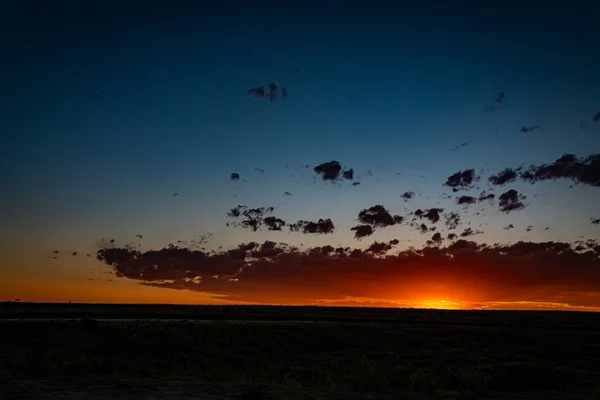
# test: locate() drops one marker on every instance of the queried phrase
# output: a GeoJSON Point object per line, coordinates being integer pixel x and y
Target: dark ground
{"type": "Point", "coordinates": [333, 353]}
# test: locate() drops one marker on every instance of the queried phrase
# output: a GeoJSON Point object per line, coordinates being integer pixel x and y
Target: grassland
{"type": "Point", "coordinates": [445, 354]}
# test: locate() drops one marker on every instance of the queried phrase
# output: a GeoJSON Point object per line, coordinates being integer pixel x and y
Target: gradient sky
{"type": "Point", "coordinates": [374, 85]}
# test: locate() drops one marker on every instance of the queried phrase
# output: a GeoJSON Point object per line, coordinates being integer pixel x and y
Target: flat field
{"type": "Point", "coordinates": [200, 352]}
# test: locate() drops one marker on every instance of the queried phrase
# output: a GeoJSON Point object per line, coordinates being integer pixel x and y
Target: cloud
{"type": "Point", "coordinates": [271, 91]}
{"type": "Point", "coordinates": [376, 216]}
{"type": "Point", "coordinates": [435, 240]}
{"type": "Point", "coordinates": [511, 200]}
{"type": "Point", "coordinates": [332, 171]}
{"type": "Point", "coordinates": [273, 223]}
{"type": "Point", "coordinates": [254, 218]}
{"type": "Point", "coordinates": [276, 272]}
{"type": "Point", "coordinates": [580, 170]}
{"type": "Point", "coordinates": [529, 128]}
{"type": "Point", "coordinates": [462, 180]}
{"type": "Point", "coordinates": [381, 248]}
{"type": "Point", "coordinates": [486, 196]}
{"type": "Point", "coordinates": [452, 220]}
{"type": "Point", "coordinates": [432, 214]}
{"type": "Point", "coordinates": [322, 226]}
{"type": "Point", "coordinates": [509, 226]}
{"type": "Point", "coordinates": [407, 195]}
{"type": "Point", "coordinates": [595, 221]}
{"type": "Point", "coordinates": [469, 232]}
{"type": "Point", "coordinates": [234, 176]}
{"type": "Point", "coordinates": [498, 104]}
{"type": "Point", "coordinates": [503, 177]}
{"type": "Point", "coordinates": [466, 200]}
{"type": "Point", "coordinates": [362, 231]}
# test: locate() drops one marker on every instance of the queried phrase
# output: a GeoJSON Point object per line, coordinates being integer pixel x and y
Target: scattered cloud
{"type": "Point", "coordinates": [486, 196]}
{"type": "Point", "coordinates": [407, 195]}
{"type": "Point", "coordinates": [322, 226]}
{"type": "Point", "coordinates": [432, 214]}
{"type": "Point", "coordinates": [272, 91]}
{"type": "Point", "coordinates": [498, 104]}
{"type": "Point", "coordinates": [511, 200]}
{"type": "Point", "coordinates": [254, 218]}
{"type": "Point", "coordinates": [503, 177]}
{"type": "Point", "coordinates": [332, 171]}
{"type": "Point", "coordinates": [529, 128]}
{"type": "Point", "coordinates": [376, 216]}
{"type": "Point", "coordinates": [462, 180]}
{"type": "Point", "coordinates": [452, 219]}
{"type": "Point", "coordinates": [459, 146]}
{"type": "Point", "coordinates": [466, 200]}
{"type": "Point", "coordinates": [362, 231]}
{"type": "Point", "coordinates": [584, 170]}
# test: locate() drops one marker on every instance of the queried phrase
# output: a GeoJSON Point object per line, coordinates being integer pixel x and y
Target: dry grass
{"type": "Point", "coordinates": [471, 360]}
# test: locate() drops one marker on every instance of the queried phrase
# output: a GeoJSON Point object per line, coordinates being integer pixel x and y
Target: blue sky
{"type": "Point", "coordinates": [371, 84]}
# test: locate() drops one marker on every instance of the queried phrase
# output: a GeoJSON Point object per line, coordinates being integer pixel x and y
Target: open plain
{"type": "Point", "coordinates": [52, 351]}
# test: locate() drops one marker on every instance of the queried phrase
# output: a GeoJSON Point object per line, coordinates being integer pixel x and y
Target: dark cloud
{"type": "Point", "coordinates": [452, 220]}
{"type": "Point", "coordinates": [511, 200]}
{"type": "Point", "coordinates": [378, 217]}
{"type": "Point", "coordinates": [498, 104]}
{"type": "Point", "coordinates": [362, 231]}
{"type": "Point", "coordinates": [595, 221]}
{"type": "Point", "coordinates": [466, 200]}
{"type": "Point", "coordinates": [503, 177]}
{"type": "Point", "coordinates": [381, 248]}
{"type": "Point", "coordinates": [580, 170]}
{"type": "Point", "coordinates": [423, 228]}
{"type": "Point", "coordinates": [355, 183]}
{"type": "Point", "coordinates": [374, 217]}
{"type": "Point", "coordinates": [271, 91]}
{"type": "Point", "coordinates": [486, 196]}
{"type": "Point", "coordinates": [273, 223]}
{"type": "Point", "coordinates": [509, 226]}
{"type": "Point", "coordinates": [462, 180]}
{"type": "Point", "coordinates": [322, 226]}
{"type": "Point", "coordinates": [529, 128]}
{"type": "Point", "coordinates": [432, 214]}
{"type": "Point", "coordinates": [234, 176]}
{"type": "Point", "coordinates": [276, 272]}
{"type": "Point", "coordinates": [435, 240]}
{"type": "Point", "coordinates": [332, 171]}
{"type": "Point", "coordinates": [469, 232]}
{"type": "Point", "coordinates": [408, 195]}
{"type": "Point", "coordinates": [254, 218]}
{"type": "Point", "coordinates": [452, 236]}
{"type": "Point", "coordinates": [597, 117]}
{"type": "Point", "coordinates": [459, 146]}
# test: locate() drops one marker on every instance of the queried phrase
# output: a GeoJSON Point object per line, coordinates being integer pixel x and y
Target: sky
{"type": "Point", "coordinates": [111, 108]}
